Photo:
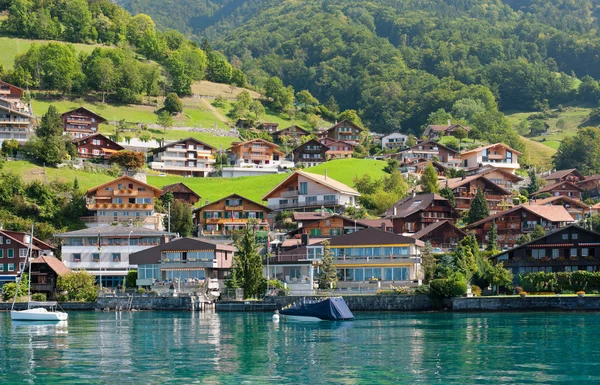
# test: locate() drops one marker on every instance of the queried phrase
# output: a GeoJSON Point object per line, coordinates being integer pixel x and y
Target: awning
{"type": "Point", "coordinates": [109, 151]}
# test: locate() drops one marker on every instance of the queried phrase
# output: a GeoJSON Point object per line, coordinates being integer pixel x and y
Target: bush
{"type": "Point", "coordinates": [141, 290]}
{"type": "Point", "coordinates": [581, 292]}
{"type": "Point", "coordinates": [476, 290]}
{"type": "Point", "coordinates": [454, 286]}
{"type": "Point", "coordinates": [41, 297]}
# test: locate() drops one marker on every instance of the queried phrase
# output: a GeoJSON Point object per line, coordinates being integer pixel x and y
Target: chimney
{"type": "Point", "coordinates": [383, 226]}
{"type": "Point", "coordinates": [304, 239]}
{"type": "Point", "coordinates": [449, 124]}
{"type": "Point", "coordinates": [414, 193]}
{"type": "Point", "coordinates": [325, 174]}
{"type": "Point", "coordinates": [395, 210]}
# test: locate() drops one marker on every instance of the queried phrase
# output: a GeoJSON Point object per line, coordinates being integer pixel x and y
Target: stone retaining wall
{"type": "Point", "coordinates": [535, 303]}
{"type": "Point", "coordinates": [122, 303]}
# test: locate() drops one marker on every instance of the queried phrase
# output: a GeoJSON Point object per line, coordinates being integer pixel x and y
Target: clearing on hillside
{"type": "Point", "coordinates": [214, 90]}
{"type": "Point", "coordinates": [539, 154]}
{"type": "Point", "coordinates": [11, 47]}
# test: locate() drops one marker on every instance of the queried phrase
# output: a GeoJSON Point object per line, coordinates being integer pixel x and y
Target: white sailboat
{"type": "Point", "coordinates": [36, 311]}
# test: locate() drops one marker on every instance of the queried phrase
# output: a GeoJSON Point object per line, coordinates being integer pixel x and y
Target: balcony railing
{"type": "Point", "coordinates": [350, 259]}
{"type": "Point", "coordinates": [320, 202]}
{"type": "Point", "coordinates": [547, 261]}
{"type": "Point", "coordinates": [120, 206]}
{"type": "Point", "coordinates": [234, 208]}
{"type": "Point", "coordinates": [126, 192]}
{"type": "Point", "coordinates": [290, 194]}
{"type": "Point", "coordinates": [151, 220]}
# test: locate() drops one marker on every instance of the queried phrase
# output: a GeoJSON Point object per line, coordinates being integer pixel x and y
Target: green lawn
{"type": "Point", "coordinates": [254, 188]}
{"type": "Point", "coordinates": [539, 154]}
{"type": "Point", "coordinates": [11, 47]}
{"type": "Point", "coordinates": [30, 172]}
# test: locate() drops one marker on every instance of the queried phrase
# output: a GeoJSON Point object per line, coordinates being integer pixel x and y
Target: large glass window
{"type": "Point", "coordinates": [76, 257]}
{"type": "Point", "coordinates": [359, 275]}
{"type": "Point", "coordinates": [303, 188]}
{"type": "Point", "coordinates": [116, 257]}
{"type": "Point", "coordinates": [554, 253]}
{"type": "Point", "coordinates": [401, 274]}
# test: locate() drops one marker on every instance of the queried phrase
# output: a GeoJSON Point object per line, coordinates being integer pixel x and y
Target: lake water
{"type": "Point", "coordinates": [236, 348]}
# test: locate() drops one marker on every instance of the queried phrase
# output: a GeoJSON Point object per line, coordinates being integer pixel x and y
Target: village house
{"type": "Point", "coordinates": [498, 155]}
{"type": "Point", "coordinates": [306, 191]}
{"type": "Point", "coordinates": [186, 260]}
{"type": "Point", "coordinates": [182, 193]}
{"type": "Point", "coordinates": [229, 214]}
{"type": "Point", "coordinates": [430, 151]}
{"type": "Point", "coordinates": [443, 235]}
{"type": "Point", "coordinates": [345, 131]}
{"type": "Point", "coordinates": [465, 189]}
{"type": "Point", "coordinates": [13, 253]}
{"type": "Point", "coordinates": [338, 149]}
{"type": "Point", "coordinates": [16, 117]}
{"type": "Point", "coordinates": [310, 153]}
{"type": "Point", "coordinates": [295, 133]}
{"type": "Point", "coordinates": [590, 186]}
{"type": "Point", "coordinates": [571, 248]}
{"type": "Point", "coordinates": [123, 200]}
{"type": "Point", "coordinates": [414, 213]}
{"type": "Point", "coordinates": [570, 175]}
{"type": "Point", "coordinates": [96, 146]}
{"type": "Point", "coordinates": [186, 157]}
{"type": "Point", "coordinates": [268, 127]}
{"type": "Point", "coordinates": [519, 220]}
{"type": "Point", "coordinates": [363, 259]}
{"type": "Point", "coordinates": [575, 207]}
{"type": "Point", "coordinates": [81, 122]}
{"type": "Point", "coordinates": [104, 251]}
{"type": "Point", "coordinates": [334, 225]}
{"type": "Point", "coordinates": [393, 141]}
{"type": "Point", "coordinates": [45, 271]}
{"type": "Point", "coordinates": [503, 178]}
{"type": "Point", "coordinates": [434, 131]}
{"type": "Point", "coordinates": [418, 166]}
{"type": "Point", "coordinates": [567, 189]}
{"type": "Point", "coordinates": [255, 157]}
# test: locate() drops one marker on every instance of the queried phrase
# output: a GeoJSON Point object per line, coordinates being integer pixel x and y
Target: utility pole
{"type": "Point", "coordinates": [169, 221]}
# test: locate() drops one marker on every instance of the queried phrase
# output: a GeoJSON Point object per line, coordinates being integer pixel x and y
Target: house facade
{"type": "Point", "coordinates": [123, 200]}
{"type": "Point", "coordinates": [310, 153]}
{"type": "Point", "coordinates": [338, 149]}
{"type": "Point", "coordinates": [394, 141]}
{"type": "Point", "coordinates": [336, 225]}
{"type": "Point", "coordinates": [590, 185]}
{"type": "Point", "coordinates": [81, 122]}
{"type": "Point", "coordinates": [503, 178]}
{"type": "Point", "coordinates": [229, 214]}
{"type": "Point", "coordinates": [430, 151]}
{"type": "Point", "coordinates": [45, 271]}
{"type": "Point", "coordinates": [255, 157]}
{"type": "Point", "coordinates": [182, 193]}
{"type": "Point", "coordinates": [498, 155]}
{"type": "Point", "coordinates": [437, 130]}
{"type": "Point", "coordinates": [570, 175]}
{"type": "Point", "coordinates": [268, 127]}
{"type": "Point", "coordinates": [104, 251]}
{"type": "Point", "coordinates": [571, 248]}
{"type": "Point", "coordinates": [576, 208]}
{"type": "Point", "coordinates": [304, 190]}
{"type": "Point", "coordinates": [186, 157]}
{"type": "Point", "coordinates": [345, 131]}
{"type": "Point", "coordinates": [96, 146]}
{"type": "Point", "coordinates": [519, 220]}
{"type": "Point", "coordinates": [13, 253]}
{"type": "Point", "coordinates": [565, 188]}
{"type": "Point", "coordinates": [294, 132]}
{"type": "Point", "coordinates": [442, 235]}
{"type": "Point", "coordinates": [187, 260]}
{"type": "Point", "coordinates": [414, 213]}
{"type": "Point", "coordinates": [16, 116]}
{"type": "Point", "coordinates": [465, 189]}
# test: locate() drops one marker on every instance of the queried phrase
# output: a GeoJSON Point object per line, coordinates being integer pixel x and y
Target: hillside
{"type": "Point", "coordinates": [11, 47]}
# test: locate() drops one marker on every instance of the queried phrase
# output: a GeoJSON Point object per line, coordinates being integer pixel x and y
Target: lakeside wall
{"type": "Point", "coordinates": [529, 303]}
{"type": "Point", "coordinates": [123, 303]}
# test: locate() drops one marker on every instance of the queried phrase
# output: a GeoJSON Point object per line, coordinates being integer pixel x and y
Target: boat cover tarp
{"type": "Point", "coordinates": [331, 309]}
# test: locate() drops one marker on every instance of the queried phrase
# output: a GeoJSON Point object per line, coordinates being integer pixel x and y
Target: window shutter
{"type": "Point", "coordinates": [204, 214]}
{"type": "Point", "coordinates": [219, 214]}
{"type": "Point", "coordinates": [226, 202]}
{"type": "Point", "coordinates": [261, 215]}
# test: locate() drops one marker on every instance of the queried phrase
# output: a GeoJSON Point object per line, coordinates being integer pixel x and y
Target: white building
{"type": "Point", "coordinates": [392, 141]}
{"type": "Point", "coordinates": [104, 251]}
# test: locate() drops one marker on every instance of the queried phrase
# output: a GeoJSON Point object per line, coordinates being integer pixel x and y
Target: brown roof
{"type": "Point", "coordinates": [233, 195]}
{"type": "Point", "coordinates": [100, 118]}
{"type": "Point", "coordinates": [349, 122]}
{"type": "Point", "coordinates": [321, 179]}
{"type": "Point", "coordinates": [552, 186]}
{"type": "Point", "coordinates": [273, 145]}
{"type": "Point", "coordinates": [372, 236]}
{"type": "Point", "coordinates": [410, 205]}
{"type": "Point", "coordinates": [162, 148]}
{"type": "Point", "coordinates": [430, 142]}
{"type": "Point", "coordinates": [77, 140]}
{"type": "Point", "coordinates": [375, 222]}
{"type": "Point", "coordinates": [288, 243]}
{"type": "Point", "coordinates": [11, 85]}
{"type": "Point", "coordinates": [54, 263]}
{"type": "Point", "coordinates": [563, 173]}
{"type": "Point", "coordinates": [458, 182]}
{"type": "Point", "coordinates": [549, 213]}
{"type": "Point", "coordinates": [445, 127]}
{"type": "Point", "coordinates": [124, 177]}
{"type": "Point", "coordinates": [490, 146]}
{"type": "Point", "coordinates": [179, 187]}
{"type": "Point", "coordinates": [426, 230]}
{"type": "Point", "coordinates": [310, 216]}
{"type": "Point", "coordinates": [489, 169]}
{"type": "Point", "coordinates": [545, 201]}
{"type": "Point", "coordinates": [284, 130]}
{"type": "Point", "coordinates": [152, 255]}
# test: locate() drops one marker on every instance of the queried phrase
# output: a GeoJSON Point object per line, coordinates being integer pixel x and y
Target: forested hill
{"type": "Point", "coordinates": [398, 61]}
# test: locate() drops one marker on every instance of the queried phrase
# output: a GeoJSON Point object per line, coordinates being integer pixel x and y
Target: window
{"type": "Point", "coordinates": [1, 253]}
{"type": "Point", "coordinates": [95, 257]}
{"type": "Point", "coordinates": [573, 252]}
{"type": "Point", "coordinates": [1, 240]}
{"type": "Point", "coordinates": [1, 267]}
{"type": "Point", "coordinates": [585, 252]}
{"type": "Point", "coordinates": [565, 237]}
{"type": "Point", "coordinates": [311, 200]}
{"type": "Point", "coordinates": [8, 241]}
{"type": "Point", "coordinates": [554, 253]}
{"type": "Point", "coordinates": [329, 198]}
{"type": "Point", "coordinates": [10, 253]}
{"type": "Point", "coordinates": [574, 236]}
{"type": "Point", "coordinates": [116, 257]}
{"type": "Point", "coordinates": [22, 253]}
{"type": "Point", "coordinates": [11, 267]}
{"type": "Point", "coordinates": [76, 257]}
{"type": "Point", "coordinates": [303, 188]}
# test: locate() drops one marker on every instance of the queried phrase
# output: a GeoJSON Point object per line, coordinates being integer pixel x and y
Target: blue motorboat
{"type": "Point", "coordinates": [326, 309]}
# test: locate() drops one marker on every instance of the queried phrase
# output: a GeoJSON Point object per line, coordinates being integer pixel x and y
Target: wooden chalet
{"type": "Point", "coordinates": [499, 176]}
{"type": "Point", "coordinates": [346, 131]}
{"type": "Point", "coordinates": [571, 248]}
{"type": "Point", "coordinates": [229, 214]}
{"type": "Point", "coordinates": [16, 117]}
{"type": "Point", "coordinates": [443, 234]}
{"type": "Point", "coordinates": [498, 155]}
{"type": "Point", "coordinates": [414, 213]}
{"type": "Point", "coordinates": [182, 193]}
{"type": "Point", "coordinates": [185, 157]}
{"type": "Point", "coordinates": [590, 185]}
{"type": "Point", "coordinates": [336, 224]}
{"type": "Point", "coordinates": [310, 153]}
{"type": "Point", "coordinates": [96, 146]}
{"type": "Point", "coordinates": [568, 189]}
{"type": "Point", "coordinates": [519, 220]}
{"type": "Point", "coordinates": [575, 207]}
{"type": "Point", "coordinates": [338, 149]}
{"type": "Point", "coordinates": [255, 151]}
{"type": "Point", "coordinates": [430, 151]}
{"type": "Point", "coordinates": [45, 271]}
{"type": "Point", "coordinates": [13, 253]}
{"type": "Point", "coordinates": [437, 130]}
{"type": "Point", "coordinates": [570, 175]}
{"type": "Point", "coordinates": [417, 166]}
{"type": "Point", "coordinates": [294, 132]}
{"type": "Point", "coordinates": [81, 122]}
{"type": "Point", "coordinates": [268, 127]}
{"type": "Point", "coordinates": [465, 189]}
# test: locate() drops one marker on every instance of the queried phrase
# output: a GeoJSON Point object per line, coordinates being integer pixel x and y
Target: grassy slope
{"type": "Point", "coordinates": [255, 187]}
{"type": "Point", "coordinates": [539, 154]}
{"type": "Point", "coordinates": [11, 47]}
{"type": "Point", "coordinates": [30, 172]}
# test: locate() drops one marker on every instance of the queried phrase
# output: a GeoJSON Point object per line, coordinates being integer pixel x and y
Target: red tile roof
{"type": "Point", "coordinates": [54, 263]}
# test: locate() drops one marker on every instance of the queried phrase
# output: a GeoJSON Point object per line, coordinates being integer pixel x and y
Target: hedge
{"type": "Point", "coordinates": [559, 282]}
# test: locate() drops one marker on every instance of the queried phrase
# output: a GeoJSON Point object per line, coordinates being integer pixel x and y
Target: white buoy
{"type": "Point", "coordinates": [276, 316]}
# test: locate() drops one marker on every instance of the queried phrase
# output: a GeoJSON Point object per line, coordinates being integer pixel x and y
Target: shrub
{"type": "Point", "coordinates": [41, 297]}
{"type": "Point", "coordinates": [518, 289]}
{"type": "Point", "coordinates": [476, 290]}
{"type": "Point", "coordinates": [454, 286]}
{"type": "Point", "coordinates": [423, 289]}
{"type": "Point", "coordinates": [141, 290]}
{"type": "Point", "coordinates": [567, 292]}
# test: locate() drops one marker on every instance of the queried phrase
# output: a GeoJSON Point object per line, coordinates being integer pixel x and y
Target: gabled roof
{"type": "Point", "coordinates": [100, 118]}
{"type": "Point", "coordinates": [335, 141]}
{"type": "Point", "coordinates": [312, 142]}
{"type": "Point", "coordinates": [96, 135]}
{"type": "Point", "coordinates": [163, 148]}
{"type": "Point", "coordinates": [429, 143]}
{"type": "Point", "coordinates": [230, 196]}
{"type": "Point", "coordinates": [372, 236]}
{"type": "Point", "coordinates": [345, 122]}
{"type": "Point", "coordinates": [446, 127]}
{"type": "Point", "coordinates": [114, 231]}
{"type": "Point", "coordinates": [124, 177]}
{"type": "Point", "coordinates": [19, 237]}
{"type": "Point", "coordinates": [569, 200]}
{"type": "Point", "coordinates": [490, 146]}
{"type": "Point", "coordinates": [559, 174]}
{"type": "Point", "coordinates": [11, 85]}
{"type": "Point", "coordinates": [428, 229]}
{"type": "Point", "coordinates": [549, 213]}
{"type": "Point", "coordinates": [273, 145]}
{"type": "Point", "coordinates": [375, 223]}
{"type": "Point", "coordinates": [412, 204]}
{"type": "Point", "coordinates": [566, 228]}
{"type": "Point", "coordinates": [554, 185]}
{"type": "Point", "coordinates": [488, 169]}
{"type": "Point", "coordinates": [296, 127]}
{"type": "Point", "coordinates": [179, 187]}
{"type": "Point", "coordinates": [310, 216]}
{"type": "Point", "coordinates": [54, 263]}
{"type": "Point", "coordinates": [458, 182]}
{"type": "Point", "coordinates": [590, 178]}
{"type": "Point", "coordinates": [153, 254]}
{"type": "Point", "coordinates": [320, 179]}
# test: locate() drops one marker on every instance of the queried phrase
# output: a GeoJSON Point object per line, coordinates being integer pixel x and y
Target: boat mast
{"type": "Point", "coordinates": [29, 250]}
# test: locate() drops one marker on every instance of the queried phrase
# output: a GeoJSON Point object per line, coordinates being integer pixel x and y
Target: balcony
{"type": "Point", "coordinates": [234, 208]}
{"type": "Point", "coordinates": [14, 121]}
{"type": "Point", "coordinates": [259, 157]}
{"type": "Point", "coordinates": [79, 122]}
{"type": "Point", "coordinates": [120, 206]}
{"type": "Point", "coordinates": [290, 194]}
{"type": "Point", "coordinates": [315, 203]}
{"type": "Point", "coordinates": [126, 192]}
{"type": "Point", "coordinates": [258, 149]}
{"type": "Point", "coordinates": [151, 220]}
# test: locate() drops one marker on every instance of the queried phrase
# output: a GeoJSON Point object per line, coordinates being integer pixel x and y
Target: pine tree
{"type": "Point", "coordinates": [248, 268]}
{"type": "Point", "coordinates": [429, 180]}
{"type": "Point", "coordinates": [328, 275]}
{"type": "Point", "coordinates": [465, 260]}
{"type": "Point", "coordinates": [76, 185]}
{"type": "Point", "coordinates": [428, 263]}
{"type": "Point", "coordinates": [534, 183]}
{"type": "Point", "coordinates": [479, 208]}
{"type": "Point", "coordinates": [492, 238]}
{"type": "Point", "coordinates": [447, 193]}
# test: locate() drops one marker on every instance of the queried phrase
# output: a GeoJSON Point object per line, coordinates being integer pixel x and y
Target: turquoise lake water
{"type": "Point", "coordinates": [236, 348]}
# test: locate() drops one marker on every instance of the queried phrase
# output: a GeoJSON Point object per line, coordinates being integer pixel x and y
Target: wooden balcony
{"type": "Point", "coordinates": [79, 122]}
{"type": "Point", "coordinates": [234, 208]}
{"type": "Point", "coordinates": [126, 192]}
{"type": "Point", "coordinates": [120, 206]}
